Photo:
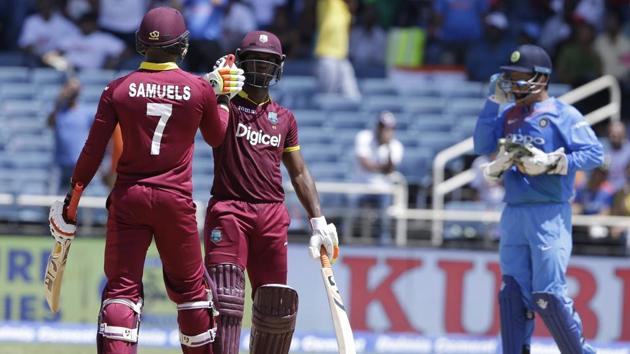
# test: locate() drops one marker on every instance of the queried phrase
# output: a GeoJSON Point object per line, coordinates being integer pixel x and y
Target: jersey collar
{"type": "Point", "coordinates": [147, 65]}
{"type": "Point", "coordinates": [242, 94]}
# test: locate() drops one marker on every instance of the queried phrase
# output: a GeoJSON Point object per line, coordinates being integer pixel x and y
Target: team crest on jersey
{"type": "Point", "coordinates": [216, 235]}
{"type": "Point", "coordinates": [273, 117]}
{"type": "Point", "coordinates": [543, 122]}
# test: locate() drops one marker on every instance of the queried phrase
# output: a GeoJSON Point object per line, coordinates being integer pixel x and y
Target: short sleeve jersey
{"type": "Point", "coordinates": [159, 109]}
{"type": "Point", "coordinates": [247, 164]}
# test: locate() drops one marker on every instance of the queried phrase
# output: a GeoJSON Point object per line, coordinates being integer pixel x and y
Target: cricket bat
{"type": "Point", "coordinates": [343, 331]}
{"type": "Point", "coordinates": [58, 257]}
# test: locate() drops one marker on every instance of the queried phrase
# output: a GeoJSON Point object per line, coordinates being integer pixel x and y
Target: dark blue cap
{"type": "Point", "coordinates": [529, 58]}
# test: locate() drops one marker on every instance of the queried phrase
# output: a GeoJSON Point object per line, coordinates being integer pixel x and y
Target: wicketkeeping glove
{"type": "Point", "coordinates": [226, 78]}
{"type": "Point", "coordinates": [495, 92]}
{"type": "Point", "coordinates": [537, 162]}
{"type": "Point", "coordinates": [324, 235]}
{"type": "Point", "coordinates": [492, 171]}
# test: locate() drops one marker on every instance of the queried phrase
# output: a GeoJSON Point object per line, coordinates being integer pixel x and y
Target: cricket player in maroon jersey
{"type": "Point", "coordinates": [159, 108]}
{"type": "Point", "coordinates": [246, 223]}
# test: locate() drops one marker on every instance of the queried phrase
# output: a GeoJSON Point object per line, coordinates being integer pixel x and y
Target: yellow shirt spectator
{"type": "Point", "coordinates": [333, 28]}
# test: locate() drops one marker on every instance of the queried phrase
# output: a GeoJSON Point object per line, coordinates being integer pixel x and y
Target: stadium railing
{"type": "Point", "coordinates": [441, 187]}
{"type": "Point", "coordinates": [398, 190]}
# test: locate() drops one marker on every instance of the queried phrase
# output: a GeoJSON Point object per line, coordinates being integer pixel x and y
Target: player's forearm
{"type": "Point", "coordinates": [586, 159]}
{"type": "Point", "coordinates": [487, 129]}
{"type": "Point", "coordinates": [307, 193]}
{"type": "Point", "coordinates": [214, 127]}
{"type": "Point", "coordinates": [93, 152]}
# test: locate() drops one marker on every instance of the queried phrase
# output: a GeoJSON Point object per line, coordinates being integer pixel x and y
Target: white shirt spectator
{"type": "Point", "coordinates": [615, 56]}
{"type": "Point", "coordinates": [43, 35]}
{"type": "Point", "coordinates": [121, 16]}
{"type": "Point", "coordinates": [239, 21]}
{"type": "Point", "coordinates": [368, 47]}
{"type": "Point", "coordinates": [91, 51]}
{"type": "Point", "coordinates": [366, 146]}
{"type": "Point", "coordinates": [265, 10]}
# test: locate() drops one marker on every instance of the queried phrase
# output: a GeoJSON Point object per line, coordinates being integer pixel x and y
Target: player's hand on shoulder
{"type": "Point", "coordinates": [226, 78]}
{"type": "Point", "coordinates": [323, 235]}
{"type": "Point", "coordinates": [538, 162]}
{"type": "Point", "coordinates": [495, 92]}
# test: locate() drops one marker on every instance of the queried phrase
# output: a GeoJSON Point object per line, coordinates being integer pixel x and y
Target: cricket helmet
{"type": "Point", "coordinates": [164, 28]}
{"type": "Point", "coordinates": [260, 56]}
{"type": "Point", "coordinates": [530, 59]}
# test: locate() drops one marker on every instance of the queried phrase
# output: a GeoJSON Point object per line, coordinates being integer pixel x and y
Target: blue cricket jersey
{"type": "Point", "coordinates": [548, 125]}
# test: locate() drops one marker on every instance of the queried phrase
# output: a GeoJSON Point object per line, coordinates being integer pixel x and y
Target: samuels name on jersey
{"type": "Point", "coordinates": [148, 90]}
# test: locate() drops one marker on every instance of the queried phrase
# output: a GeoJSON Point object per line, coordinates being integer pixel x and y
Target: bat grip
{"type": "Point", "coordinates": [323, 257]}
{"type": "Point", "coordinates": [77, 190]}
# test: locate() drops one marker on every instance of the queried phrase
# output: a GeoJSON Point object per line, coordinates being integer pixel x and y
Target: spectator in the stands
{"type": "Point", "coordinates": [71, 123]}
{"type": "Point", "coordinates": [334, 71]}
{"type": "Point", "coordinates": [594, 196]}
{"type": "Point", "coordinates": [378, 154]}
{"type": "Point", "coordinates": [528, 33]}
{"type": "Point", "coordinates": [43, 31]}
{"type": "Point", "coordinates": [288, 35]}
{"type": "Point", "coordinates": [458, 23]}
{"type": "Point", "coordinates": [12, 16]}
{"type": "Point", "coordinates": [92, 48]}
{"type": "Point", "coordinates": [618, 151]}
{"type": "Point", "coordinates": [485, 56]}
{"type": "Point", "coordinates": [557, 29]}
{"type": "Point", "coordinates": [122, 18]}
{"type": "Point", "coordinates": [264, 10]}
{"type": "Point", "coordinates": [204, 19]}
{"type": "Point", "coordinates": [578, 62]}
{"type": "Point", "coordinates": [613, 46]}
{"type": "Point", "coordinates": [239, 20]}
{"type": "Point", "coordinates": [368, 41]}
{"type": "Point", "coordinates": [74, 9]}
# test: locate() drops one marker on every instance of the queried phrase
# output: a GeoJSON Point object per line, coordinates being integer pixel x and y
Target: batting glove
{"type": "Point", "coordinates": [226, 78]}
{"type": "Point", "coordinates": [324, 235]}
{"type": "Point", "coordinates": [61, 228]}
{"type": "Point", "coordinates": [495, 92]}
{"type": "Point", "coordinates": [505, 158]}
{"type": "Point", "coordinates": [539, 162]}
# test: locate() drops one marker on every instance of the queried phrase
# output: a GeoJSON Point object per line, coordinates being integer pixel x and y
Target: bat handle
{"type": "Point", "coordinates": [77, 190]}
{"type": "Point", "coordinates": [323, 257]}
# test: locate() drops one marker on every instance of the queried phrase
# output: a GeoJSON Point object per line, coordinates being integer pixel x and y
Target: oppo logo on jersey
{"type": "Point", "coordinates": [257, 137]}
{"type": "Point", "coordinates": [172, 92]}
{"type": "Point", "coordinates": [525, 139]}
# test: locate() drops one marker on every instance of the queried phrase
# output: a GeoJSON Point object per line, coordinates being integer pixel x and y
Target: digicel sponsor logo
{"type": "Point", "coordinates": [257, 137]}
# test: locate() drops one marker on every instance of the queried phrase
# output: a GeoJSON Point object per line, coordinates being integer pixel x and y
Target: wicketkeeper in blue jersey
{"type": "Point", "coordinates": [541, 143]}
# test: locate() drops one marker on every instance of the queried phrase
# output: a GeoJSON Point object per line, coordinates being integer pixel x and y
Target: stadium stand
{"type": "Point", "coordinates": [328, 125]}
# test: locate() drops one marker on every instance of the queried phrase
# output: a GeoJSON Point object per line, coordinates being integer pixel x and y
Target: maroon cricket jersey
{"type": "Point", "coordinates": [247, 164]}
{"type": "Point", "coordinates": [159, 108]}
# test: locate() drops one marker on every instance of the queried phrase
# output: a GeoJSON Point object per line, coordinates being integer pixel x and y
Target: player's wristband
{"type": "Point", "coordinates": [318, 223]}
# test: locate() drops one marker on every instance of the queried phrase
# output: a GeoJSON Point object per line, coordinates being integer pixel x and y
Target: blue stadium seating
{"type": "Point", "coordinates": [431, 116]}
{"type": "Point", "coordinates": [45, 76]}
{"type": "Point", "coordinates": [14, 74]}
{"type": "Point", "coordinates": [17, 91]}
